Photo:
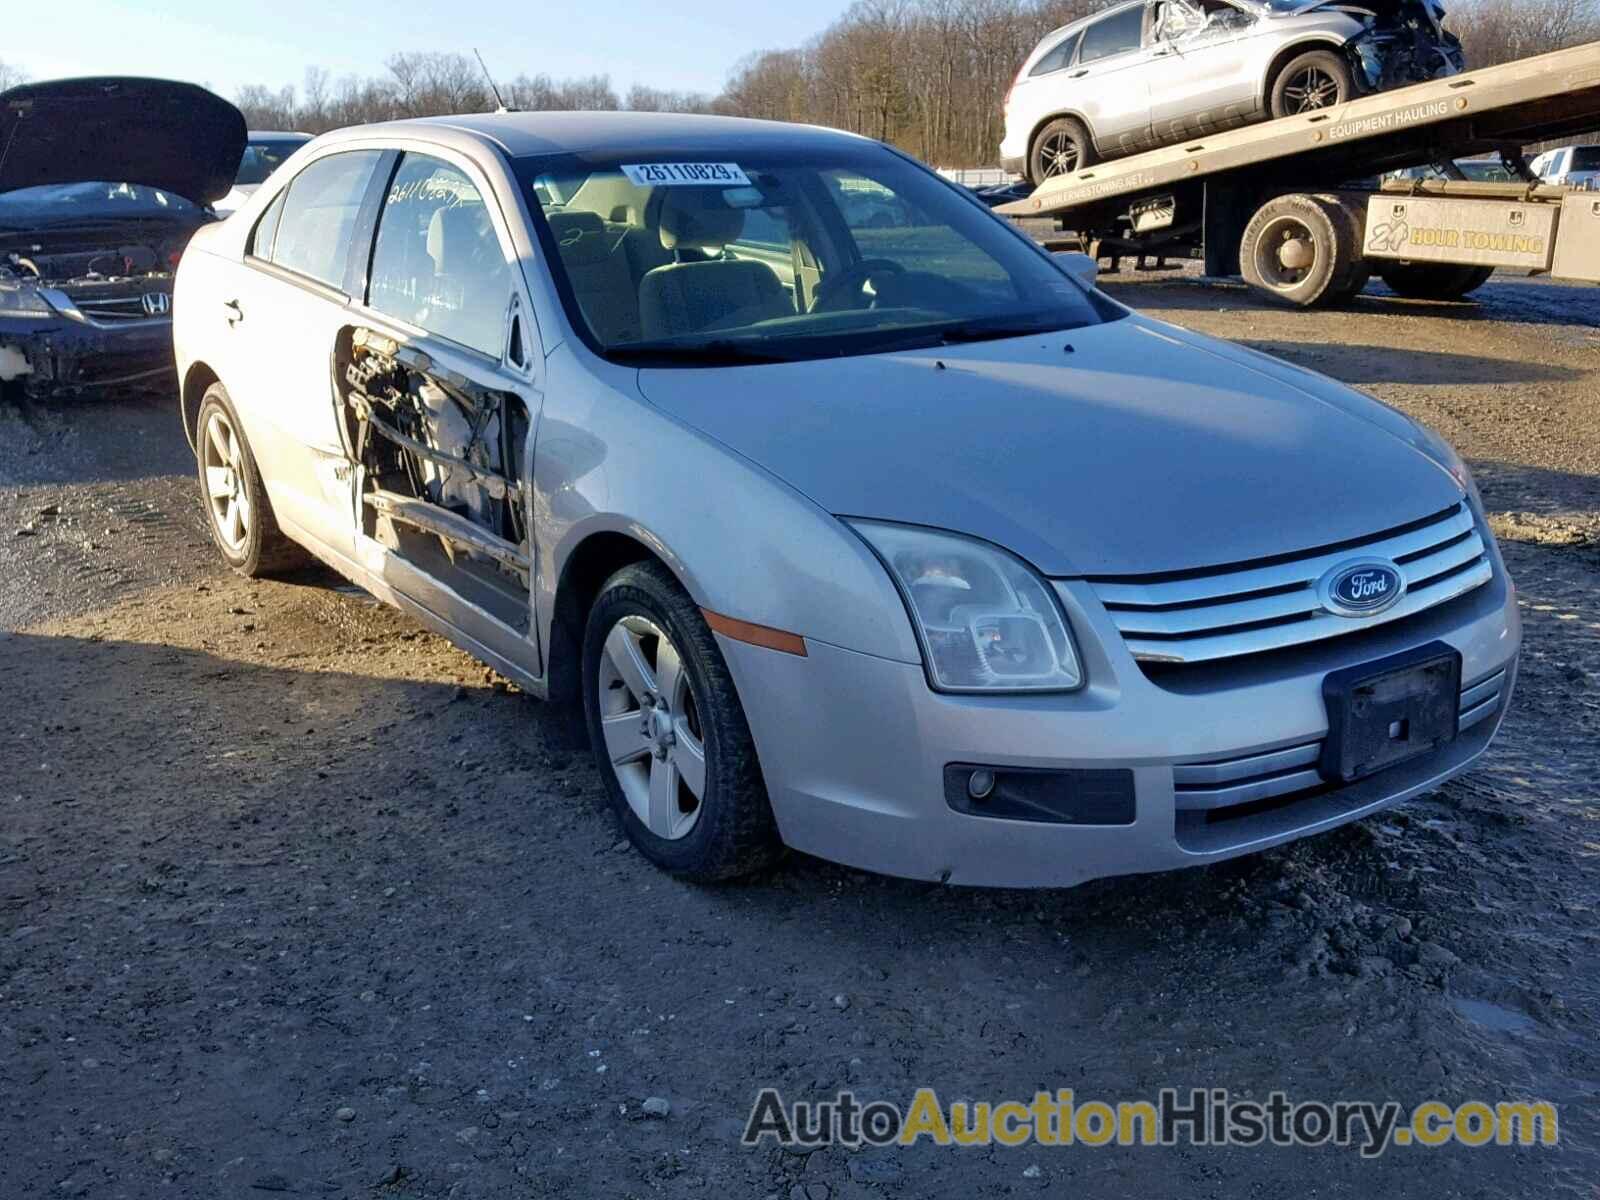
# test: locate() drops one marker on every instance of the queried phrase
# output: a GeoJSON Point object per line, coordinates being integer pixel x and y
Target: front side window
{"type": "Point", "coordinates": [438, 263]}
{"type": "Point", "coordinates": [1116, 34]}
{"type": "Point", "coordinates": [785, 255]}
{"type": "Point", "coordinates": [319, 216]}
{"type": "Point", "coordinates": [1585, 158]}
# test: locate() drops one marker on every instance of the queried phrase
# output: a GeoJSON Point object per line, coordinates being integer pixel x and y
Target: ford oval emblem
{"type": "Point", "coordinates": [1362, 589]}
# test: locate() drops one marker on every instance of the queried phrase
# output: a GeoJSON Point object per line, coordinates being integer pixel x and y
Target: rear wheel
{"type": "Point", "coordinates": [1433, 281]}
{"type": "Point", "coordinates": [237, 510]}
{"type": "Point", "coordinates": [1302, 250]}
{"type": "Point", "coordinates": [669, 734]}
{"type": "Point", "coordinates": [1061, 148]}
{"type": "Point", "coordinates": [1317, 80]}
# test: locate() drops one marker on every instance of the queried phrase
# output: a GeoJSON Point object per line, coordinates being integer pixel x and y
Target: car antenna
{"type": "Point", "coordinates": [500, 105]}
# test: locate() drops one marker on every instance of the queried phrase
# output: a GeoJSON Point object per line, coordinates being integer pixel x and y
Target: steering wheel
{"type": "Point", "coordinates": [832, 291]}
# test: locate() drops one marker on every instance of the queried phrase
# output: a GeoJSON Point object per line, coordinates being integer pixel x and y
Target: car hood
{"type": "Point", "coordinates": [1143, 449]}
{"type": "Point", "coordinates": [173, 136]}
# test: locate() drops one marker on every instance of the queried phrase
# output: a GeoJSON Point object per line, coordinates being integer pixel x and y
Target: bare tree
{"type": "Point", "coordinates": [11, 75]}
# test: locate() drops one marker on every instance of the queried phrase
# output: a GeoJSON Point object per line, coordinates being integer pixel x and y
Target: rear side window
{"type": "Point", "coordinates": [1058, 57]}
{"type": "Point", "coordinates": [319, 216]}
{"type": "Point", "coordinates": [438, 263]}
{"type": "Point", "coordinates": [1116, 34]}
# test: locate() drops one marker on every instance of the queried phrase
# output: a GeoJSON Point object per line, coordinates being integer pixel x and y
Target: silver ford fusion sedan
{"type": "Point", "coordinates": [853, 520]}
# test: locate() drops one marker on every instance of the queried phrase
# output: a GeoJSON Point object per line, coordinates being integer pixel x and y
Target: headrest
{"type": "Point", "coordinates": [698, 218]}
{"type": "Point", "coordinates": [456, 234]}
{"type": "Point", "coordinates": [581, 236]}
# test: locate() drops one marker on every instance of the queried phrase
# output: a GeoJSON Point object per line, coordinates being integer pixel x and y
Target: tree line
{"type": "Point", "coordinates": [928, 75]}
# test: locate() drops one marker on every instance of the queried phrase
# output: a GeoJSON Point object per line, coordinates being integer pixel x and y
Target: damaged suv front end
{"type": "Point", "coordinates": [1398, 42]}
{"type": "Point", "coordinates": [102, 183]}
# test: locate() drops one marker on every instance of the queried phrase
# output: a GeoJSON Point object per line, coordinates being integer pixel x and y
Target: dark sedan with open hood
{"type": "Point", "coordinates": [102, 183]}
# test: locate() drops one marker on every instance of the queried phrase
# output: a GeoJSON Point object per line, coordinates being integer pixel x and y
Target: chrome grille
{"type": "Point", "coordinates": [1201, 616]}
{"type": "Point", "coordinates": [113, 309]}
{"type": "Point", "coordinates": [1227, 783]}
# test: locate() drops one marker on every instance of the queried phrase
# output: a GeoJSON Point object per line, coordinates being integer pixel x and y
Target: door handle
{"type": "Point", "coordinates": [1078, 74]}
{"type": "Point", "coordinates": [235, 313]}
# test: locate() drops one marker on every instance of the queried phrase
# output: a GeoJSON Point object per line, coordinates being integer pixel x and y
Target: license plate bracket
{"type": "Point", "coordinates": [1384, 713]}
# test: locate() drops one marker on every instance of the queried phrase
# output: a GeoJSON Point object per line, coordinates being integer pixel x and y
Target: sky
{"type": "Point", "coordinates": [687, 45]}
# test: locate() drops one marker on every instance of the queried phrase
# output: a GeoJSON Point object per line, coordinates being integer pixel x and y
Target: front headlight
{"type": "Point", "coordinates": [986, 621]}
{"type": "Point", "coordinates": [22, 300]}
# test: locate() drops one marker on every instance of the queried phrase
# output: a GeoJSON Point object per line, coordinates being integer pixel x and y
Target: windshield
{"type": "Point", "coordinates": [263, 157]}
{"type": "Point", "coordinates": [787, 255]}
{"type": "Point", "coordinates": [89, 202]}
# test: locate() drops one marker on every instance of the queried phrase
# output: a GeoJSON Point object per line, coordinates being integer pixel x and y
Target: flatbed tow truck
{"type": "Point", "coordinates": [1295, 205]}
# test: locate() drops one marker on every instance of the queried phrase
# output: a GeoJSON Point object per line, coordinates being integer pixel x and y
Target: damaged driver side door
{"type": "Point", "coordinates": [438, 402]}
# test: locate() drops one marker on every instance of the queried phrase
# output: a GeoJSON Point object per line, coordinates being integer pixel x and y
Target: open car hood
{"type": "Point", "coordinates": [173, 136]}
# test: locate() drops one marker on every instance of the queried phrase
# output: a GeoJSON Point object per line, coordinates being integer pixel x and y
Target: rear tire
{"type": "Point", "coordinates": [1303, 251]}
{"type": "Point", "coordinates": [1062, 147]}
{"type": "Point", "coordinates": [1433, 281]}
{"type": "Point", "coordinates": [665, 720]}
{"type": "Point", "coordinates": [1314, 81]}
{"type": "Point", "coordinates": [233, 498]}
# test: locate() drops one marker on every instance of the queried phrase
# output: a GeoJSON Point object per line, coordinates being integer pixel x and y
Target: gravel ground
{"type": "Point", "coordinates": [296, 898]}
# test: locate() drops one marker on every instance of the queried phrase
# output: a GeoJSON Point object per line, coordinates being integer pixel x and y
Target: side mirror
{"type": "Point", "coordinates": [1080, 266]}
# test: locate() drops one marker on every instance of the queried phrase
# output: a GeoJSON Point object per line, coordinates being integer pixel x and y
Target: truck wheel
{"type": "Point", "coordinates": [1350, 217]}
{"type": "Point", "coordinates": [1320, 79]}
{"type": "Point", "coordinates": [1298, 249]}
{"type": "Point", "coordinates": [237, 510]}
{"type": "Point", "coordinates": [669, 734]}
{"type": "Point", "coordinates": [1433, 281]}
{"type": "Point", "coordinates": [1061, 147]}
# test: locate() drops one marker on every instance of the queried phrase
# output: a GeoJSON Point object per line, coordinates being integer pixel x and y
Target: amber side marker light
{"type": "Point", "coordinates": [756, 635]}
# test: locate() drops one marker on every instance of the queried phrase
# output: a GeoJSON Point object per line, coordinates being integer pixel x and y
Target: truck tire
{"type": "Point", "coordinates": [1433, 281]}
{"type": "Point", "coordinates": [1351, 218]}
{"type": "Point", "coordinates": [1317, 80]}
{"type": "Point", "coordinates": [1303, 251]}
{"type": "Point", "coordinates": [1060, 148]}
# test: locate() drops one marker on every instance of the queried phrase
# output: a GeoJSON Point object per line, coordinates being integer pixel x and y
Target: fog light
{"type": "Point", "coordinates": [980, 784]}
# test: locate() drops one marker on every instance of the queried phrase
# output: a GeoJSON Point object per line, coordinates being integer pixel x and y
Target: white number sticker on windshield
{"type": "Point", "coordinates": [686, 175]}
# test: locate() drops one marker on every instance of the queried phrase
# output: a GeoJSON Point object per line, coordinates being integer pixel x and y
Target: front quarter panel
{"type": "Point", "coordinates": [741, 542]}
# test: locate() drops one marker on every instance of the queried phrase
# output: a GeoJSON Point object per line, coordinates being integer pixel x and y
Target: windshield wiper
{"type": "Point", "coordinates": [994, 330]}
{"type": "Point", "coordinates": [720, 352]}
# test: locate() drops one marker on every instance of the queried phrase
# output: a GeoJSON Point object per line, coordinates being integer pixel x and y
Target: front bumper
{"type": "Point", "coordinates": [854, 748]}
{"type": "Point", "coordinates": [64, 355]}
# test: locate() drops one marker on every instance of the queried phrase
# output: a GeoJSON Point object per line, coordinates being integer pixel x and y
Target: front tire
{"type": "Point", "coordinates": [669, 734]}
{"type": "Point", "coordinates": [1313, 81]}
{"type": "Point", "coordinates": [1060, 148]}
{"type": "Point", "coordinates": [233, 498]}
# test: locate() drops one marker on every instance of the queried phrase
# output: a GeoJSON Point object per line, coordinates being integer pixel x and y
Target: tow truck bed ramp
{"type": "Point", "coordinates": [1535, 99]}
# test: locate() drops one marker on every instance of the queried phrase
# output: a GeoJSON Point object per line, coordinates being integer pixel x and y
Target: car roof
{"type": "Point", "coordinates": [523, 134]}
{"type": "Point", "coordinates": [287, 135]}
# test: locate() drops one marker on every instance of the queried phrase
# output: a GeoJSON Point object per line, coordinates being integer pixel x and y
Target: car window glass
{"type": "Point", "coordinates": [1056, 58]}
{"type": "Point", "coordinates": [267, 228]}
{"type": "Point", "coordinates": [438, 263]}
{"type": "Point", "coordinates": [888, 228]}
{"type": "Point", "coordinates": [1116, 34]}
{"type": "Point", "coordinates": [1586, 158]}
{"type": "Point", "coordinates": [319, 216]}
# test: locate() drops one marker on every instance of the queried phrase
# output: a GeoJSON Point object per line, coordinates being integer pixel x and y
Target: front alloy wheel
{"type": "Point", "coordinates": [669, 734]}
{"type": "Point", "coordinates": [652, 729]}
